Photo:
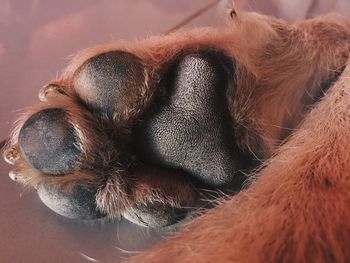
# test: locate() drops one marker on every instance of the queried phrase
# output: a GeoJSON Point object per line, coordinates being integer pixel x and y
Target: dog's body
{"type": "Point", "coordinates": [281, 83]}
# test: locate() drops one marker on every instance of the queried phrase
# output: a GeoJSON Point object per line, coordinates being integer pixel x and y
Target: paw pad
{"type": "Point", "coordinates": [48, 142]}
{"type": "Point", "coordinates": [108, 79]}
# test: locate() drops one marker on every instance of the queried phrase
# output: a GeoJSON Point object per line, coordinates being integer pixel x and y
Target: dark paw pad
{"type": "Point", "coordinates": [155, 215]}
{"type": "Point", "coordinates": [48, 142]}
{"type": "Point", "coordinates": [106, 80]}
{"type": "Point", "coordinates": [78, 203]}
{"type": "Point", "coordinates": [190, 126]}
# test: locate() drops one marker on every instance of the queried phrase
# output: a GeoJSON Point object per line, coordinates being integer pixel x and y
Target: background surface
{"type": "Point", "coordinates": [37, 37]}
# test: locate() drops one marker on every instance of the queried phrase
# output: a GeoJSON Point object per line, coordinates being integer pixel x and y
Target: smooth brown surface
{"type": "Point", "coordinates": [36, 39]}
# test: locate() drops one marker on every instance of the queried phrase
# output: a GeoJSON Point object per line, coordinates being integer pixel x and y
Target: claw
{"type": "Point", "coordinates": [13, 175]}
{"type": "Point", "coordinates": [11, 155]}
{"type": "Point", "coordinates": [50, 89]}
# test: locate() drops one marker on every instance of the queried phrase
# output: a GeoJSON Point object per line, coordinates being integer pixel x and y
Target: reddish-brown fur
{"type": "Point", "coordinates": [297, 207]}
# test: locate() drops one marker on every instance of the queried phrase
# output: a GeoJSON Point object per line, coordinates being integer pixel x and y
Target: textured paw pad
{"type": "Point", "coordinates": [189, 128]}
{"type": "Point", "coordinates": [106, 80]}
{"type": "Point", "coordinates": [78, 203]}
{"type": "Point", "coordinates": [154, 215]}
{"type": "Point", "coordinates": [48, 142]}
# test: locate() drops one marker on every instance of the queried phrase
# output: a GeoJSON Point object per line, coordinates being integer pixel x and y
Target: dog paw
{"type": "Point", "coordinates": [127, 134]}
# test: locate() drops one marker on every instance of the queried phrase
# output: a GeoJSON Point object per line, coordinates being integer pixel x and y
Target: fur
{"type": "Point", "coordinates": [296, 207]}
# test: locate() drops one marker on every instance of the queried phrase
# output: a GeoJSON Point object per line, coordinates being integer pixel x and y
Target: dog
{"type": "Point", "coordinates": [257, 111]}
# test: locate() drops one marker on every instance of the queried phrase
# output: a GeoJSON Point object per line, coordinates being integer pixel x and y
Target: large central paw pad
{"type": "Point", "coordinates": [190, 126]}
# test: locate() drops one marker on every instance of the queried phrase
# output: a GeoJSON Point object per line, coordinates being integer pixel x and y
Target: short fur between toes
{"type": "Point", "coordinates": [281, 90]}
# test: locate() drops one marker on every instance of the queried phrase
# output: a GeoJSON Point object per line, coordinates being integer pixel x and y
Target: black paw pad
{"type": "Point", "coordinates": [190, 126]}
{"type": "Point", "coordinates": [154, 215]}
{"type": "Point", "coordinates": [107, 79]}
{"type": "Point", "coordinates": [47, 141]}
{"type": "Point", "coordinates": [77, 204]}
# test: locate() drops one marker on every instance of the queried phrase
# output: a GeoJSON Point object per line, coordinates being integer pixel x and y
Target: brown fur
{"type": "Point", "coordinates": [296, 208]}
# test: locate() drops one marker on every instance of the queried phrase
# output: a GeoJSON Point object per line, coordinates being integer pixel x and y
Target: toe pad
{"type": "Point", "coordinates": [47, 141]}
{"type": "Point", "coordinates": [77, 204]}
{"type": "Point", "coordinates": [108, 79]}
